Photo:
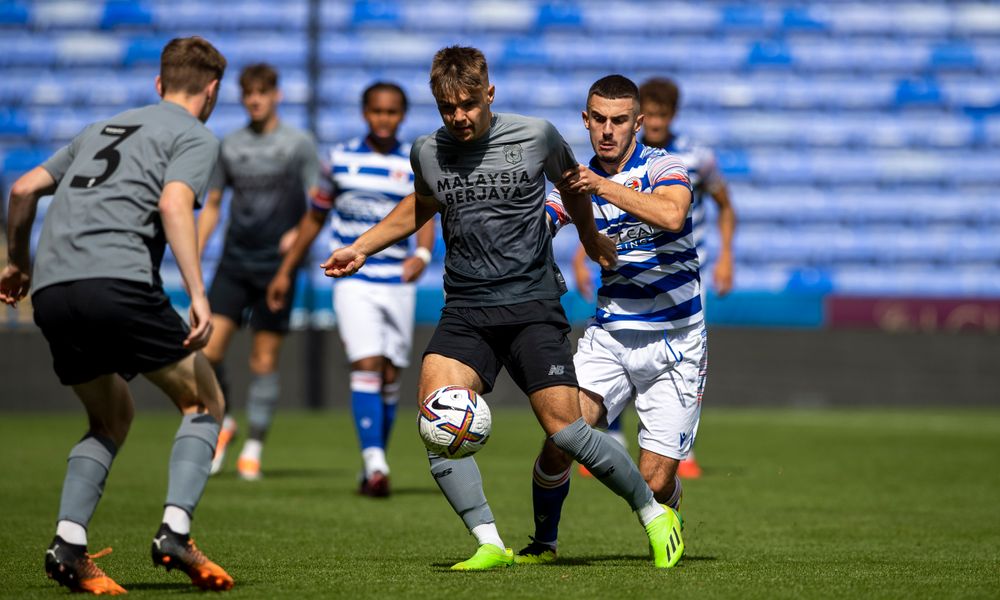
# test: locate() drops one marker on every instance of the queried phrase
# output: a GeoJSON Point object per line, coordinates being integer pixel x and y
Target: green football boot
{"type": "Point", "coordinates": [486, 557]}
{"type": "Point", "coordinates": [535, 553]}
{"type": "Point", "coordinates": [665, 542]}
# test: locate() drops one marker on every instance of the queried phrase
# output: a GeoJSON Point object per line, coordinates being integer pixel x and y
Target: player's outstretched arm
{"type": "Point", "coordinates": [177, 214]}
{"type": "Point", "coordinates": [723, 274]}
{"type": "Point", "coordinates": [413, 266]}
{"type": "Point", "coordinates": [410, 214]}
{"type": "Point", "coordinates": [669, 213]}
{"type": "Point", "coordinates": [598, 247]}
{"type": "Point", "coordinates": [308, 229]}
{"type": "Point", "coordinates": [208, 218]}
{"type": "Point", "coordinates": [15, 281]}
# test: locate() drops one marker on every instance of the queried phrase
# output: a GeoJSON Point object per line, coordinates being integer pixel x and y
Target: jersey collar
{"type": "Point", "coordinates": [633, 161]}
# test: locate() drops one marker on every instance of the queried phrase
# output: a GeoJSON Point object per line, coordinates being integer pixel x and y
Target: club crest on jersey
{"type": "Point", "coordinates": [399, 175]}
{"type": "Point", "coordinates": [634, 184]}
{"type": "Point", "coordinates": [512, 152]}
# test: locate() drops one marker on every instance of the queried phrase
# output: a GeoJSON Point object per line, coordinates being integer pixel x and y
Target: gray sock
{"type": "Point", "coordinates": [191, 460]}
{"type": "Point", "coordinates": [86, 471]}
{"type": "Point", "coordinates": [262, 398]}
{"type": "Point", "coordinates": [462, 485]}
{"type": "Point", "coordinates": [606, 459]}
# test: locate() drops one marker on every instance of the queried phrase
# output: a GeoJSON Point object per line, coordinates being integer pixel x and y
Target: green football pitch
{"type": "Point", "coordinates": [793, 504]}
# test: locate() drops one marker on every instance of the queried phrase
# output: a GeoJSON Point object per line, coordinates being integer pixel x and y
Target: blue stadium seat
{"type": "Point", "coordinates": [14, 13]}
{"type": "Point", "coordinates": [953, 55]}
{"type": "Point", "coordinates": [25, 50]}
{"type": "Point", "coordinates": [559, 14]}
{"type": "Point", "coordinates": [13, 123]}
{"type": "Point", "coordinates": [126, 14]}
{"type": "Point", "coordinates": [918, 91]}
{"type": "Point", "coordinates": [770, 53]}
{"type": "Point", "coordinates": [376, 13]}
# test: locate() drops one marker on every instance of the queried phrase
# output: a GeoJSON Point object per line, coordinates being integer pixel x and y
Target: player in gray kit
{"type": "Point", "coordinates": [271, 167]}
{"type": "Point", "coordinates": [485, 172]}
{"type": "Point", "coordinates": [124, 188]}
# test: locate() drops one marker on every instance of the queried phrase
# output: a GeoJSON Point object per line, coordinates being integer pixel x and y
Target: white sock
{"type": "Point", "coordinates": [73, 533]}
{"type": "Point", "coordinates": [229, 423]}
{"type": "Point", "coordinates": [252, 449]}
{"type": "Point", "coordinates": [487, 534]}
{"type": "Point", "coordinates": [374, 458]}
{"type": "Point", "coordinates": [649, 512]}
{"type": "Point", "coordinates": [178, 520]}
{"type": "Point", "coordinates": [675, 498]}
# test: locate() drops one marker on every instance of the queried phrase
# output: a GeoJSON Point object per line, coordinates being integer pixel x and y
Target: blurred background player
{"type": "Point", "coordinates": [659, 99]}
{"type": "Point", "coordinates": [485, 173]}
{"type": "Point", "coordinates": [124, 188]}
{"type": "Point", "coordinates": [271, 168]}
{"type": "Point", "coordinates": [647, 341]}
{"type": "Point", "coordinates": [375, 309]}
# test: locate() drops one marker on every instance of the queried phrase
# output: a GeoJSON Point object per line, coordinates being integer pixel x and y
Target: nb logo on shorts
{"type": "Point", "coordinates": [557, 370]}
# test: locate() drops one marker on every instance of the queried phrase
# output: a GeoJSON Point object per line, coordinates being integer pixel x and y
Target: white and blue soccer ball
{"type": "Point", "coordinates": [454, 422]}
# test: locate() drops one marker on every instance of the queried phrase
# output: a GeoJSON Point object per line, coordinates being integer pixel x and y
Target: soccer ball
{"type": "Point", "coordinates": [454, 422]}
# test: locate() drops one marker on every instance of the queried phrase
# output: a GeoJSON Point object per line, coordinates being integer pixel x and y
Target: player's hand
{"type": "Point", "coordinates": [288, 240]}
{"type": "Point", "coordinates": [277, 291]}
{"type": "Point", "coordinates": [413, 268]}
{"type": "Point", "coordinates": [343, 262]}
{"type": "Point", "coordinates": [14, 285]}
{"type": "Point", "coordinates": [201, 323]}
{"type": "Point", "coordinates": [722, 276]}
{"type": "Point", "coordinates": [584, 281]}
{"type": "Point", "coordinates": [582, 180]}
{"type": "Point", "coordinates": [601, 250]}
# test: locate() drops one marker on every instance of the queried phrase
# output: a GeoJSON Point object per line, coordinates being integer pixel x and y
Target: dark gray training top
{"type": "Point", "coordinates": [270, 174]}
{"type": "Point", "coordinates": [492, 196]}
{"type": "Point", "coordinates": [105, 220]}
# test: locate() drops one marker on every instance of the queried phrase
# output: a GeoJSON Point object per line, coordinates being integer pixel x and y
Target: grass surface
{"type": "Point", "coordinates": [793, 504]}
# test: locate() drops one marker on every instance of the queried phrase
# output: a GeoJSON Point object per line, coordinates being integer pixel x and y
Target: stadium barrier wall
{"type": "Point", "coordinates": [748, 367]}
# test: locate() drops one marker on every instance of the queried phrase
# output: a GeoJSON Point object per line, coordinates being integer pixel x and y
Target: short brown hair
{"type": "Point", "coordinates": [458, 69]}
{"type": "Point", "coordinates": [189, 64]}
{"type": "Point", "coordinates": [660, 90]}
{"type": "Point", "coordinates": [262, 74]}
{"type": "Point", "coordinates": [614, 87]}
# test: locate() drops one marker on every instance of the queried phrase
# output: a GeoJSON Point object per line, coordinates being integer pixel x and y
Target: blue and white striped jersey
{"type": "Point", "coordinates": [705, 176]}
{"type": "Point", "coordinates": [362, 186]}
{"type": "Point", "coordinates": [656, 284]}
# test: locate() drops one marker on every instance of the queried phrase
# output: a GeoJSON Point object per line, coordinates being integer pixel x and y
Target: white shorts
{"type": "Point", "coordinates": [664, 371]}
{"type": "Point", "coordinates": [375, 319]}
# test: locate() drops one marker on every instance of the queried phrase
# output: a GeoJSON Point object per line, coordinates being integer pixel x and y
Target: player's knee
{"type": "Point", "coordinates": [262, 363]}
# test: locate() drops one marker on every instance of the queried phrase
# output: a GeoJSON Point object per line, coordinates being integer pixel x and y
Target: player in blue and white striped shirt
{"type": "Point", "coordinates": [367, 177]}
{"type": "Point", "coordinates": [647, 341]}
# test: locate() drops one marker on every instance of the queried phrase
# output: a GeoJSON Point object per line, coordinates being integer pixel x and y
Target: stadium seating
{"type": "Point", "coordinates": [862, 139]}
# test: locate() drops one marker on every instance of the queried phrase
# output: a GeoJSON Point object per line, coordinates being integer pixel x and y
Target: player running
{"type": "Point", "coordinates": [123, 188]}
{"type": "Point", "coordinates": [658, 102]}
{"type": "Point", "coordinates": [375, 310]}
{"type": "Point", "coordinates": [647, 341]}
{"type": "Point", "coordinates": [271, 167]}
{"type": "Point", "coordinates": [485, 172]}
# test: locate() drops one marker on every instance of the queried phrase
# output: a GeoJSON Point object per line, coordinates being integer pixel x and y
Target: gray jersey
{"type": "Point", "coordinates": [270, 175]}
{"type": "Point", "coordinates": [492, 196]}
{"type": "Point", "coordinates": [104, 220]}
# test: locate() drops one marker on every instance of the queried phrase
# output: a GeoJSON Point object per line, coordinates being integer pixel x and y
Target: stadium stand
{"type": "Point", "coordinates": [862, 140]}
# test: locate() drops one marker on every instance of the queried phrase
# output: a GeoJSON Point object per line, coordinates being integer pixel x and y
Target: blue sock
{"type": "Point", "coordinates": [390, 400]}
{"type": "Point", "coordinates": [366, 404]}
{"type": "Point", "coordinates": [548, 492]}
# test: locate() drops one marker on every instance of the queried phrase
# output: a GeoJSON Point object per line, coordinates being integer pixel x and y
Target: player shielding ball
{"type": "Point", "coordinates": [272, 168]}
{"type": "Point", "coordinates": [365, 180]}
{"type": "Point", "coordinates": [647, 341]}
{"type": "Point", "coordinates": [485, 173]}
{"type": "Point", "coordinates": [124, 188]}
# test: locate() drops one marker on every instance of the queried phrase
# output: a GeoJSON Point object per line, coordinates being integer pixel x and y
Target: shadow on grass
{"type": "Point", "coordinates": [178, 587]}
{"type": "Point", "coordinates": [585, 561]}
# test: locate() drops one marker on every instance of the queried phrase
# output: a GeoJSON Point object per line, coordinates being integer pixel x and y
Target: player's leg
{"type": "Point", "coordinates": [362, 330]}
{"type": "Point", "coordinates": [550, 482]}
{"type": "Point", "coordinates": [460, 480]}
{"type": "Point", "coordinates": [227, 297]}
{"type": "Point", "coordinates": [109, 413]}
{"type": "Point", "coordinates": [391, 383]}
{"type": "Point", "coordinates": [262, 400]}
{"type": "Point", "coordinates": [191, 384]}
